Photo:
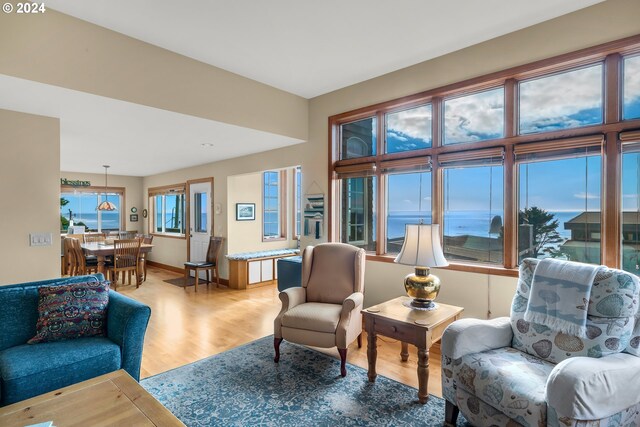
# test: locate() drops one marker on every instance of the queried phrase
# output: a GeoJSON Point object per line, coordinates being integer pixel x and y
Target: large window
{"type": "Point", "coordinates": [297, 203]}
{"type": "Point", "coordinates": [79, 205]}
{"type": "Point", "coordinates": [631, 88]}
{"type": "Point", "coordinates": [559, 203]}
{"type": "Point", "coordinates": [273, 198]}
{"type": "Point", "coordinates": [474, 117]}
{"type": "Point", "coordinates": [167, 206]}
{"type": "Point", "coordinates": [630, 245]}
{"type": "Point", "coordinates": [359, 212]}
{"type": "Point", "coordinates": [560, 101]}
{"type": "Point", "coordinates": [525, 162]}
{"type": "Point", "coordinates": [473, 212]}
{"type": "Point", "coordinates": [408, 202]}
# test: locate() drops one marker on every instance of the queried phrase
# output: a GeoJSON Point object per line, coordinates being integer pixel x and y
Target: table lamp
{"type": "Point", "coordinates": [422, 249]}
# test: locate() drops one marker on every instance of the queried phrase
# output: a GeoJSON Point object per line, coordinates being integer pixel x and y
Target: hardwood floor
{"type": "Point", "coordinates": [186, 327]}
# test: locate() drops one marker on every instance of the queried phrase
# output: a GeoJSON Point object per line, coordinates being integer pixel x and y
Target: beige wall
{"type": "Point", "coordinates": [246, 236]}
{"type": "Point", "coordinates": [60, 50]}
{"type": "Point", "coordinates": [29, 195]}
{"type": "Point", "coordinates": [133, 193]}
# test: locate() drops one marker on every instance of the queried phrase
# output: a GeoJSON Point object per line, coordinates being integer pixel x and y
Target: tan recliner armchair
{"type": "Point", "coordinates": [325, 311]}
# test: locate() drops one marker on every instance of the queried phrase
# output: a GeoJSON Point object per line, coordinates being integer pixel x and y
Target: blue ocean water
{"type": "Point", "coordinates": [458, 223]}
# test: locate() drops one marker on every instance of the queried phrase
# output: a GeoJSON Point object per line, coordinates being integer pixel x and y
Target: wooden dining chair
{"type": "Point", "coordinates": [69, 258]}
{"type": "Point", "coordinates": [126, 257]}
{"type": "Point", "coordinates": [94, 237]}
{"type": "Point", "coordinates": [147, 239]}
{"type": "Point", "coordinates": [82, 264]}
{"type": "Point", "coordinates": [210, 265]}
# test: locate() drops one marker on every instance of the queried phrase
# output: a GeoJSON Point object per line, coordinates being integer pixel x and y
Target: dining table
{"type": "Point", "coordinates": [104, 249]}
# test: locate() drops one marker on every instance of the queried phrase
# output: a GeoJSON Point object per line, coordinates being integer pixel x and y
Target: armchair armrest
{"type": "Point", "coordinates": [127, 321]}
{"type": "Point", "coordinates": [354, 300]}
{"type": "Point", "coordinates": [467, 336]}
{"type": "Point", "coordinates": [587, 388]}
{"type": "Point", "coordinates": [292, 297]}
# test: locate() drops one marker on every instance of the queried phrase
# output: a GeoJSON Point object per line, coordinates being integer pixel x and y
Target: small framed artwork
{"type": "Point", "coordinates": [144, 213]}
{"type": "Point", "coordinates": [245, 211]}
{"type": "Point", "coordinates": [133, 217]}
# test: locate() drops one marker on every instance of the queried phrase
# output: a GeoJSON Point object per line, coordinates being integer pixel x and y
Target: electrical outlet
{"type": "Point", "coordinates": [40, 239]}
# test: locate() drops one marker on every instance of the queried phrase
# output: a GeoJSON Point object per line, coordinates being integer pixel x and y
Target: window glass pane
{"type": "Point", "coordinates": [631, 212]}
{"type": "Point", "coordinates": [409, 129]}
{"type": "Point", "coordinates": [82, 206]}
{"type": "Point", "coordinates": [271, 204]}
{"type": "Point", "coordinates": [408, 202]}
{"type": "Point", "coordinates": [631, 88]}
{"type": "Point", "coordinates": [200, 215]}
{"type": "Point", "coordinates": [174, 213]}
{"type": "Point", "coordinates": [358, 139]}
{"type": "Point", "coordinates": [298, 200]}
{"type": "Point", "coordinates": [473, 214]}
{"type": "Point", "coordinates": [159, 215]}
{"type": "Point", "coordinates": [559, 209]}
{"type": "Point", "coordinates": [561, 101]}
{"type": "Point", "coordinates": [109, 220]}
{"type": "Point", "coordinates": [475, 117]}
{"type": "Point", "coordinates": [359, 212]}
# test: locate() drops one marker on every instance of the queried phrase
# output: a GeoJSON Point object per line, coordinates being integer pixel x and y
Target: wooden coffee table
{"type": "Point", "coordinates": [420, 328]}
{"type": "Point", "coordinates": [114, 399]}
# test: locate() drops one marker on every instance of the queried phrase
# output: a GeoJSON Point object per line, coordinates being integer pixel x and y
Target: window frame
{"type": "Point", "coordinates": [296, 225]}
{"type": "Point", "coordinates": [610, 54]}
{"type": "Point", "coordinates": [120, 191]}
{"type": "Point", "coordinates": [163, 191]}
{"type": "Point", "coordinates": [282, 206]}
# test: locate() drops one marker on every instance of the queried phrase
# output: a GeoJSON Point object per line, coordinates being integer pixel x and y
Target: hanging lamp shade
{"type": "Point", "coordinates": [106, 205]}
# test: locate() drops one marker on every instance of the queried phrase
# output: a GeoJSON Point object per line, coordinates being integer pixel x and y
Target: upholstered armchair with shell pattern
{"type": "Point", "coordinates": [325, 310]}
{"type": "Point", "coordinates": [512, 372]}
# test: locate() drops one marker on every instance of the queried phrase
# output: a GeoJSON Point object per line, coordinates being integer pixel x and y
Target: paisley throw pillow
{"type": "Point", "coordinates": [71, 311]}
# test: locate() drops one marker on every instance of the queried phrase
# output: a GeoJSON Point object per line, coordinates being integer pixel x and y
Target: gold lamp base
{"type": "Point", "coordinates": [422, 287]}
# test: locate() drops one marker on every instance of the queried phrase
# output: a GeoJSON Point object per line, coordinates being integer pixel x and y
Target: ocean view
{"type": "Point", "coordinates": [460, 223]}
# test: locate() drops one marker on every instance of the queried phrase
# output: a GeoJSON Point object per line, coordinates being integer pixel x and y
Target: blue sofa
{"type": "Point", "coordinates": [27, 370]}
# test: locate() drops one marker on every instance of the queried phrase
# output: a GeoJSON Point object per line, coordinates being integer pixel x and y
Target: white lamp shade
{"type": "Point", "coordinates": [422, 246]}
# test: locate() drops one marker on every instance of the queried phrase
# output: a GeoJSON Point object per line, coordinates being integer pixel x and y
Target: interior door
{"type": "Point", "coordinates": [200, 194]}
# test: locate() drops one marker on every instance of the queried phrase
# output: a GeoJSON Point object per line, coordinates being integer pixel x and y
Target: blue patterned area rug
{"type": "Point", "coordinates": [244, 387]}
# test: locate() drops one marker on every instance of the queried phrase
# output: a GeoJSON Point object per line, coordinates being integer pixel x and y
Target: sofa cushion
{"type": "Point", "coordinates": [313, 316]}
{"type": "Point", "coordinates": [30, 370]}
{"type": "Point", "coordinates": [509, 380]}
{"type": "Point", "coordinates": [71, 311]}
{"type": "Point", "coordinates": [19, 312]}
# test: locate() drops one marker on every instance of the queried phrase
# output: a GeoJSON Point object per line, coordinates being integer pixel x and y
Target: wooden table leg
{"type": "Point", "coordinates": [101, 265]}
{"type": "Point", "coordinates": [423, 375]}
{"type": "Point", "coordinates": [404, 353]}
{"type": "Point", "coordinates": [372, 352]}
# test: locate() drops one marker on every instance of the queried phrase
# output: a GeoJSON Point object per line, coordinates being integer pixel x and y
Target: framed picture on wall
{"type": "Point", "coordinates": [245, 211]}
{"type": "Point", "coordinates": [133, 217]}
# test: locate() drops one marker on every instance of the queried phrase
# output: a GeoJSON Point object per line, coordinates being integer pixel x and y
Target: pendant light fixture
{"type": "Point", "coordinates": [106, 205]}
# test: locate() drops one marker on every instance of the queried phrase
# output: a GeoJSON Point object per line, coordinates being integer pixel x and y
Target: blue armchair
{"type": "Point", "coordinates": [29, 370]}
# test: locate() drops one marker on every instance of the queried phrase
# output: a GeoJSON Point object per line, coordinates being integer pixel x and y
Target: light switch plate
{"type": "Point", "coordinates": [40, 239]}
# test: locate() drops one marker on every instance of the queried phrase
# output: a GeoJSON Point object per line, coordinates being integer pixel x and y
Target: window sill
{"type": "Point", "coordinates": [273, 239]}
{"type": "Point", "coordinates": [170, 236]}
{"type": "Point", "coordinates": [469, 268]}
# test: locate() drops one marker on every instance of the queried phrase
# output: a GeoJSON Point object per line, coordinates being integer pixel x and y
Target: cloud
{"type": "Point", "coordinates": [474, 117]}
{"type": "Point", "coordinates": [588, 196]}
{"type": "Point", "coordinates": [415, 122]}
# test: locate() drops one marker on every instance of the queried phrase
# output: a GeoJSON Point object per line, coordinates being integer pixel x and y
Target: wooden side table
{"type": "Point", "coordinates": [421, 328]}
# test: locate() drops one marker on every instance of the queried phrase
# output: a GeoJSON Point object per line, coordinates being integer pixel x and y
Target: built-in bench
{"type": "Point", "coordinates": [250, 269]}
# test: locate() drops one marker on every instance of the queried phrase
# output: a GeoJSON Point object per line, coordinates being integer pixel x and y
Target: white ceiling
{"type": "Point", "coordinates": [313, 47]}
{"type": "Point", "coordinates": [135, 140]}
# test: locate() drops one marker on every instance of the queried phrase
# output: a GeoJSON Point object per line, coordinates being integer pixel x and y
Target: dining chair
{"type": "Point", "coordinates": [82, 264]}
{"type": "Point", "coordinates": [94, 237]}
{"type": "Point", "coordinates": [69, 256]}
{"type": "Point", "coordinates": [126, 257]}
{"type": "Point", "coordinates": [210, 264]}
{"type": "Point", "coordinates": [146, 239]}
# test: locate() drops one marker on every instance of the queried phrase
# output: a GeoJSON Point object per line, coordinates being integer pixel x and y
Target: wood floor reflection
{"type": "Point", "coordinates": [186, 327]}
